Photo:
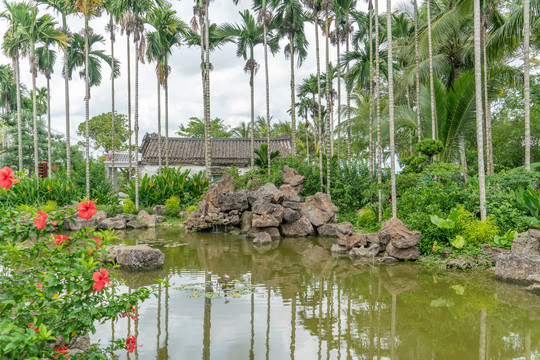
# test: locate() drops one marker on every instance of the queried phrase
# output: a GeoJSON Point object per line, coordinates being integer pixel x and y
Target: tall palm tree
{"type": "Point", "coordinates": [46, 59]}
{"type": "Point", "coordinates": [127, 26]}
{"type": "Point", "coordinates": [247, 35]}
{"type": "Point", "coordinates": [378, 107]}
{"type": "Point", "coordinates": [111, 28]}
{"type": "Point", "coordinates": [479, 120]}
{"type": "Point", "coordinates": [7, 88]}
{"type": "Point", "coordinates": [417, 72]}
{"type": "Point", "coordinates": [527, 84]}
{"type": "Point", "coordinates": [289, 20]}
{"type": "Point", "coordinates": [65, 8]}
{"type": "Point", "coordinates": [431, 84]}
{"type": "Point", "coordinates": [328, 5]}
{"type": "Point", "coordinates": [391, 105]}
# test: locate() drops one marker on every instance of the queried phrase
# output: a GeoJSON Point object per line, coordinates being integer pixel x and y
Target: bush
{"type": "Point", "coordinates": [173, 203]}
{"type": "Point", "coordinates": [367, 218]}
{"type": "Point", "coordinates": [191, 209]}
{"type": "Point", "coordinates": [480, 232]}
{"type": "Point", "coordinates": [50, 206]}
{"type": "Point", "coordinates": [129, 207]}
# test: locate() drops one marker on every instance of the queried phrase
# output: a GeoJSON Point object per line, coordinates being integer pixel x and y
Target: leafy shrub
{"type": "Point", "coordinates": [191, 209]}
{"type": "Point", "coordinates": [429, 147]}
{"type": "Point", "coordinates": [367, 218]}
{"type": "Point", "coordinates": [480, 232]}
{"type": "Point", "coordinates": [506, 240]}
{"type": "Point", "coordinates": [129, 207]}
{"type": "Point", "coordinates": [173, 203]}
{"type": "Point", "coordinates": [50, 206]}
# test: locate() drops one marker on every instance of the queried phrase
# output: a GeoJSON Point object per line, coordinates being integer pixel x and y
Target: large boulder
{"type": "Point", "coordinates": [370, 250]}
{"type": "Point", "coordinates": [245, 221]}
{"type": "Point", "coordinates": [139, 257]}
{"type": "Point", "coordinates": [136, 224]}
{"type": "Point", "coordinates": [396, 232]}
{"type": "Point", "coordinates": [290, 215]}
{"type": "Point", "coordinates": [116, 223]}
{"type": "Point", "coordinates": [233, 201]}
{"type": "Point", "coordinates": [287, 189]}
{"type": "Point", "coordinates": [272, 231]}
{"type": "Point", "coordinates": [291, 177]}
{"type": "Point", "coordinates": [262, 238]}
{"type": "Point", "coordinates": [333, 230]}
{"type": "Point", "coordinates": [319, 209]}
{"type": "Point", "coordinates": [264, 220]}
{"type": "Point", "coordinates": [77, 223]}
{"type": "Point", "coordinates": [262, 206]}
{"type": "Point", "coordinates": [528, 243]}
{"type": "Point", "coordinates": [211, 196]}
{"type": "Point", "coordinates": [517, 267]}
{"type": "Point", "coordinates": [159, 209]}
{"type": "Point", "coordinates": [146, 219]}
{"type": "Point", "coordinates": [410, 253]}
{"type": "Point", "coordinates": [299, 228]}
{"type": "Point", "coordinates": [270, 193]}
{"type": "Point", "coordinates": [226, 184]}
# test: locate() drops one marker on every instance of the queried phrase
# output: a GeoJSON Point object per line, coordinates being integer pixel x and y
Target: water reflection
{"type": "Point", "coordinates": [311, 305]}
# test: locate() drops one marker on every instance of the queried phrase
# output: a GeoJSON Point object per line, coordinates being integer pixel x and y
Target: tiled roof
{"type": "Point", "coordinates": [230, 151]}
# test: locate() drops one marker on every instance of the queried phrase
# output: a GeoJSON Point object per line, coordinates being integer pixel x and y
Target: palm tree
{"type": "Point", "coordinates": [46, 59]}
{"type": "Point", "coordinates": [479, 120]}
{"type": "Point", "coordinates": [434, 135]}
{"type": "Point", "coordinates": [527, 85]}
{"type": "Point", "coordinates": [391, 105]}
{"type": "Point", "coordinates": [7, 88]}
{"type": "Point", "coordinates": [243, 131]}
{"type": "Point", "coordinates": [417, 72]}
{"type": "Point", "coordinates": [247, 35]}
{"type": "Point", "coordinates": [289, 20]}
{"type": "Point", "coordinates": [111, 28]}
{"type": "Point", "coordinates": [64, 8]}
{"type": "Point", "coordinates": [378, 106]}
{"type": "Point", "coordinates": [328, 6]}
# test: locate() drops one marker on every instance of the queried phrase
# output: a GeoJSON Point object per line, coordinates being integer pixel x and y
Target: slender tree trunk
{"type": "Point", "coordinates": [307, 137]}
{"type": "Point", "coordinates": [339, 91]}
{"type": "Point", "coordinates": [252, 124]}
{"type": "Point", "coordinates": [137, 44]}
{"type": "Point", "coordinates": [371, 157]}
{"type": "Point", "coordinates": [203, 75]}
{"type": "Point", "coordinates": [87, 104]}
{"type": "Point", "coordinates": [478, 93]}
{"type": "Point", "coordinates": [267, 77]}
{"type": "Point", "coordinates": [378, 96]}
{"type": "Point", "coordinates": [166, 120]}
{"type": "Point", "coordinates": [328, 105]}
{"type": "Point", "coordinates": [348, 98]}
{"type": "Point", "coordinates": [49, 156]}
{"type": "Point", "coordinates": [487, 106]}
{"type": "Point", "coordinates": [319, 97]}
{"type": "Point", "coordinates": [527, 82]}
{"type": "Point", "coordinates": [434, 134]}
{"type": "Point", "coordinates": [33, 67]}
{"type": "Point", "coordinates": [113, 147]}
{"type": "Point", "coordinates": [391, 107]}
{"type": "Point", "coordinates": [293, 101]}
{"type": "Point", "coordinates": [208, 149]}
{"type": "Point", "coordinates": [19, 119]}
{"type": "Point", "coordinates": [463, 157]}
{"type": "Point", "coordinates": [66, 97]}
{"type": "Point", "coordinates": [130, 167]}
{"type": "Point", "coordinates": [159, 124]}
{"type": "Point", "coordinates": [417, 73]}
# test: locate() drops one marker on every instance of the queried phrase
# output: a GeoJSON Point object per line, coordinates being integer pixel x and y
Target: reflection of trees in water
{"type": "Point", "coordinates": [364, 311]}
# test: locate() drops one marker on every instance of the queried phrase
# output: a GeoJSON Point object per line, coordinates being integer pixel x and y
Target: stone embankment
{"type": "Point", "coordinates": [522, 263]}
{"type": "Point", "coordinates": [120, 222]}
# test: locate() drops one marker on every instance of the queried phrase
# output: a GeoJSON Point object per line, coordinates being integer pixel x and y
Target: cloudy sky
{"type": "Point", "coordinates": [229, 83]}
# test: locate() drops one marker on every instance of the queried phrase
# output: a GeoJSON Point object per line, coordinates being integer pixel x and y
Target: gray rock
{"type": "Point", "coordinates": [489, 255]}
{"type": "Point", "coordinates": [76, 223]}
{"type": "Point", "coordinates": [279, 213]}
{"type": "Point", "coordinates": [403, 254]}
{"type": "Point", "coordinates": [226, 184]}
{"type": "Point", "coordinates": [272, 231]}
{"type": "Point", "coordinates": [128, 217]}
{"type": "Point", "coordinates": [136, 224]}
{"type": "Point", "coordinates": [534, 278]}
{"type": "Point", "coordinates": [535, 288]}
{"type": "Point", "coordinates": [289, 190]}
{"type": "Point", "coordinates": [269, 192]}
{"type": "Point", "coordinates": [142, 213]}
{"type": "Point", "coordinates": [140, 257]}
{"type": "Point", "coordinates": [299, 228]}
{"type": "Point", "coordinates": [81, 343]}
{"type": "Point", "coordinates": [264, 220]}
{"type": "Point", "coordinates": [291, 197]}
{"type": "Point", "coordinates": [245, 221]}
{"type": "Point", "coordinates": [529, 244]}
{"type": "Point", "coordinates": [396, 232]}
{"type": "Point", "coordinates": [262, 206]}
{"type": "Point", "coordinates": [145, 218]}
{"type": "Point", "coordinates": [319, 209]}
{"type": "Point", "coordinates": [462, 262]}
{"type": "Point", "coordinates": [370, 250]}
{"type": "Point", "coordinates": [333, 230]}
{"type": "Point", "coordinates": [517, 267]}
{"type": "Point", "coordinates": [116, 223]}
{"type": "Point", "coordinates": [386, 260]}
{"type": "Point", "coordinates": [211, 196]}
{"type": "Point", "coordinates": [291, 205]}
{"type": "Point", "coordinates": [262, 238]}
{"type": "Point", "coordinates": [233, 201]}
{"type": "Point", "coordinates": [159, 209]}
{"type": "Point", "coordinates": [291, 176]}
{"type": "Point", "coordinates": [159, 218]}
{"type": "Point", "coordinates": [290, 215]}
{"type": "Point", "coordinates": [338, 249]}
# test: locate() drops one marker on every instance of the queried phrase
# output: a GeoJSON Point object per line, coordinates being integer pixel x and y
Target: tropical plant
{"type": "Point", "coordinates": [262, 160]}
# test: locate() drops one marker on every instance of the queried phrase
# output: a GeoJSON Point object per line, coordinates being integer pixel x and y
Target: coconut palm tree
{"type": "Point", "coordinates": [391, 105]}
{"type": "Point", "coordinates": [527, 82]}
{"type": "Point", "coordinates": [65, 8]}
{"type": "Point", "coordinates": [289, 21]}
{"type": "Point", "coordinates": [46, 59]}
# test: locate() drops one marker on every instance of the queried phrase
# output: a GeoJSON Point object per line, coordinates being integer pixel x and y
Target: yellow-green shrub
{"type": "Point", "coordinates": [480, 232]}
{"type": "Point", "coordinates": [129, 206]}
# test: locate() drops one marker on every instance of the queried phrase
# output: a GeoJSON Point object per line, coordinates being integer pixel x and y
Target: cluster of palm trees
{"type": "Point", "coordinates": [416, 70]}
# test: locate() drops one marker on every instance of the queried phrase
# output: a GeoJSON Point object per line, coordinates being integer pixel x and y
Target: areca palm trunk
{"type": "Point", "coordinates": [33, 68]}
{"type": "Point", "coordinates": [371, 157]}
{"type": "Point", "coordinates": [208, 149]}
{"type": "Point", "coordinates": [478, 93]}
{"type": "Point", "coordinates": [463, 157]}
{"type": "Point", "coordinates": [267, 77]}
{"type": "Point", "coordinates": [252, 88]}
{"type": "Point", "coordinates": [159, 121]}
{"type": "Point", "coordinates": [378, 96]}
{"type": "Point", "coordinates": [307, 137]}
{"type": "Point", "coordinates": [328, 104]}
{"type": "Point", "coordinates": [19, 119]}
{"type": "Point", "coordinates": [66, 99]}
{"type": "Point", "coordinates": [417, 73]}
{"type": "Point", "coordinates": [527, 85]}
{"type": "Point", "coordinates": [391, 106]}
{"type": "Point", "coordinates": [49, 157]}
{"type": "Point", "coordinates": [431, 82]}
{"type": "Point", "coordinates": [87, 104]}
{"type": "Point", "coordinates": [348, 97]}
{"type": "Point", "coordinates": [130, 166]}
{"type": "Point", "coordinates": [487, 106]}
{"type": "Point", "coordinates": [113, 147]}
{"type": "Point", "coordinates": [319, 97]}
{"type": "Point", "coordinates": [166, 120]}
{"type": "Point", "coordinates": [339, 90]}
{"type": "Point", "coordinates": [293, 101]}
{"type": "Point", "coordinates": [137, 44]}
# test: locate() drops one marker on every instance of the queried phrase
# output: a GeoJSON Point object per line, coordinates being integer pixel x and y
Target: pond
{"type": "Point", "coordinates": [307, 304]}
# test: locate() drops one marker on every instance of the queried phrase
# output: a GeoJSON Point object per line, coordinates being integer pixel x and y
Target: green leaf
{"type": "Point", "coordinates": [458, 242]}
{"type": "Point", "coordinates": [442, 223]}
{"type": "Point", "coordinates": [6, 326]}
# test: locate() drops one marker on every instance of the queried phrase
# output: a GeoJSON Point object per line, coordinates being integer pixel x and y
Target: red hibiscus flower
{"type": "Point", "coordinates": [62, 350]}
{"type": "Point", "coordinates": [101, 278]}
{"type": "Point", "coordinates": [6, 177]}
{"type": "Point", "coordinates": [59, 239]}
{"type": "Point", "coordinates": [33, 328]}
{"type": "Point", "coordinates": [38, 285]}
{"type": "Point", "coordinates": [39, 221]}
{"type": "Point", "coordinates": [87, 210]}
{"type": "Point", "coordinates": [131, 344]}
{"type": "Point", "coordinates": [98, 241]}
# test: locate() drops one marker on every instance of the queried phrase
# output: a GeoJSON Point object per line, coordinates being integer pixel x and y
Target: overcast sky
{"type": "Point", "coordinates": [229, 84]}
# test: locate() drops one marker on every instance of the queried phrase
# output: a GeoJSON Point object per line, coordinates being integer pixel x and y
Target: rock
{"type": "Point", "coordinates": [159, 209]}
{"type": "Point", "coordinates": [292, 191]}
{"type": "Point", "coordinates": [262, 238]}
{"type": "Point", "coordinates": [290, 215]}
{"type": "Point", "coordinates": [386, 260]}
{"type": "Point", "coordinates": [264, 220]}
{"type": "Point", "coordinates": [396, 232]}
{"type": "Point", "coordinates": [370, 250]}
{"type": "Point", "coordinates": [534, 288]}
{"type": "Point", "coordinates": [278, 213]}
{"type": "Point", "coordinates": [76, 223]}
{"type": "Point", "coordinates": [529, 244]}
{"type": "Point", "coordinates": [145, 218]}
{"type": "Point", "coordinates": [319, 209]}
{"type": "Point", "coordinates": [333, 230]}
{"type": "Point", "coordinates": [136, 224]}
{"type": "Point", "coordinates": [116, 223]}
{"type": "Point", "coordinates": [142, 213]}
{"type": "Point", "coordinates": [353, 240]}
{"type": "Point", "coordinates": [245, 221]}
{"type": "Point", "coordinates": [462, 262]}
{"type": "Point", "coordinates": [299, 228]}
{"type": "Point", "coordinates": [140, 257]}
{"type": "Point", "coordinates": [211, 196]}
{"type": "Point", "coordinates": [272, 231]}
{"type": "Point", "coordinates": [233, 201]}
{"type": "Point", "coordinates": [291, 176]}
{"type": "Point", "coordinates": [226, 184]}
{"type": "Point", "coordinates": [159, 218]}
{"type": "Point", "coordinates": [516, 267]}
{"type": "Point", "coordinates": [81, 343]}
{"type": "Point", "coordinates": [490, 255]}
{"type": "Point", "coordinates": [269, 192]}
{"type": "Point", "coordinates": [262, 206]}
{"type": "Point", "coordinates": [403, 254]}
{"type": "Point", "coordinates": [128, 217]}
{"type": "Point", "coordinates": [294, 205]}
{"type": "Point", "coordinates": [535, 278]}
{"type": "Point", "coordinates": [338, 249]}
{"type": "Point", "coordinates": [182, 214]}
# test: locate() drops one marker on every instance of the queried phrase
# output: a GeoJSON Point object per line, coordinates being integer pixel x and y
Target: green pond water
{"type": "Point", "coordinates": [307, 304]}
